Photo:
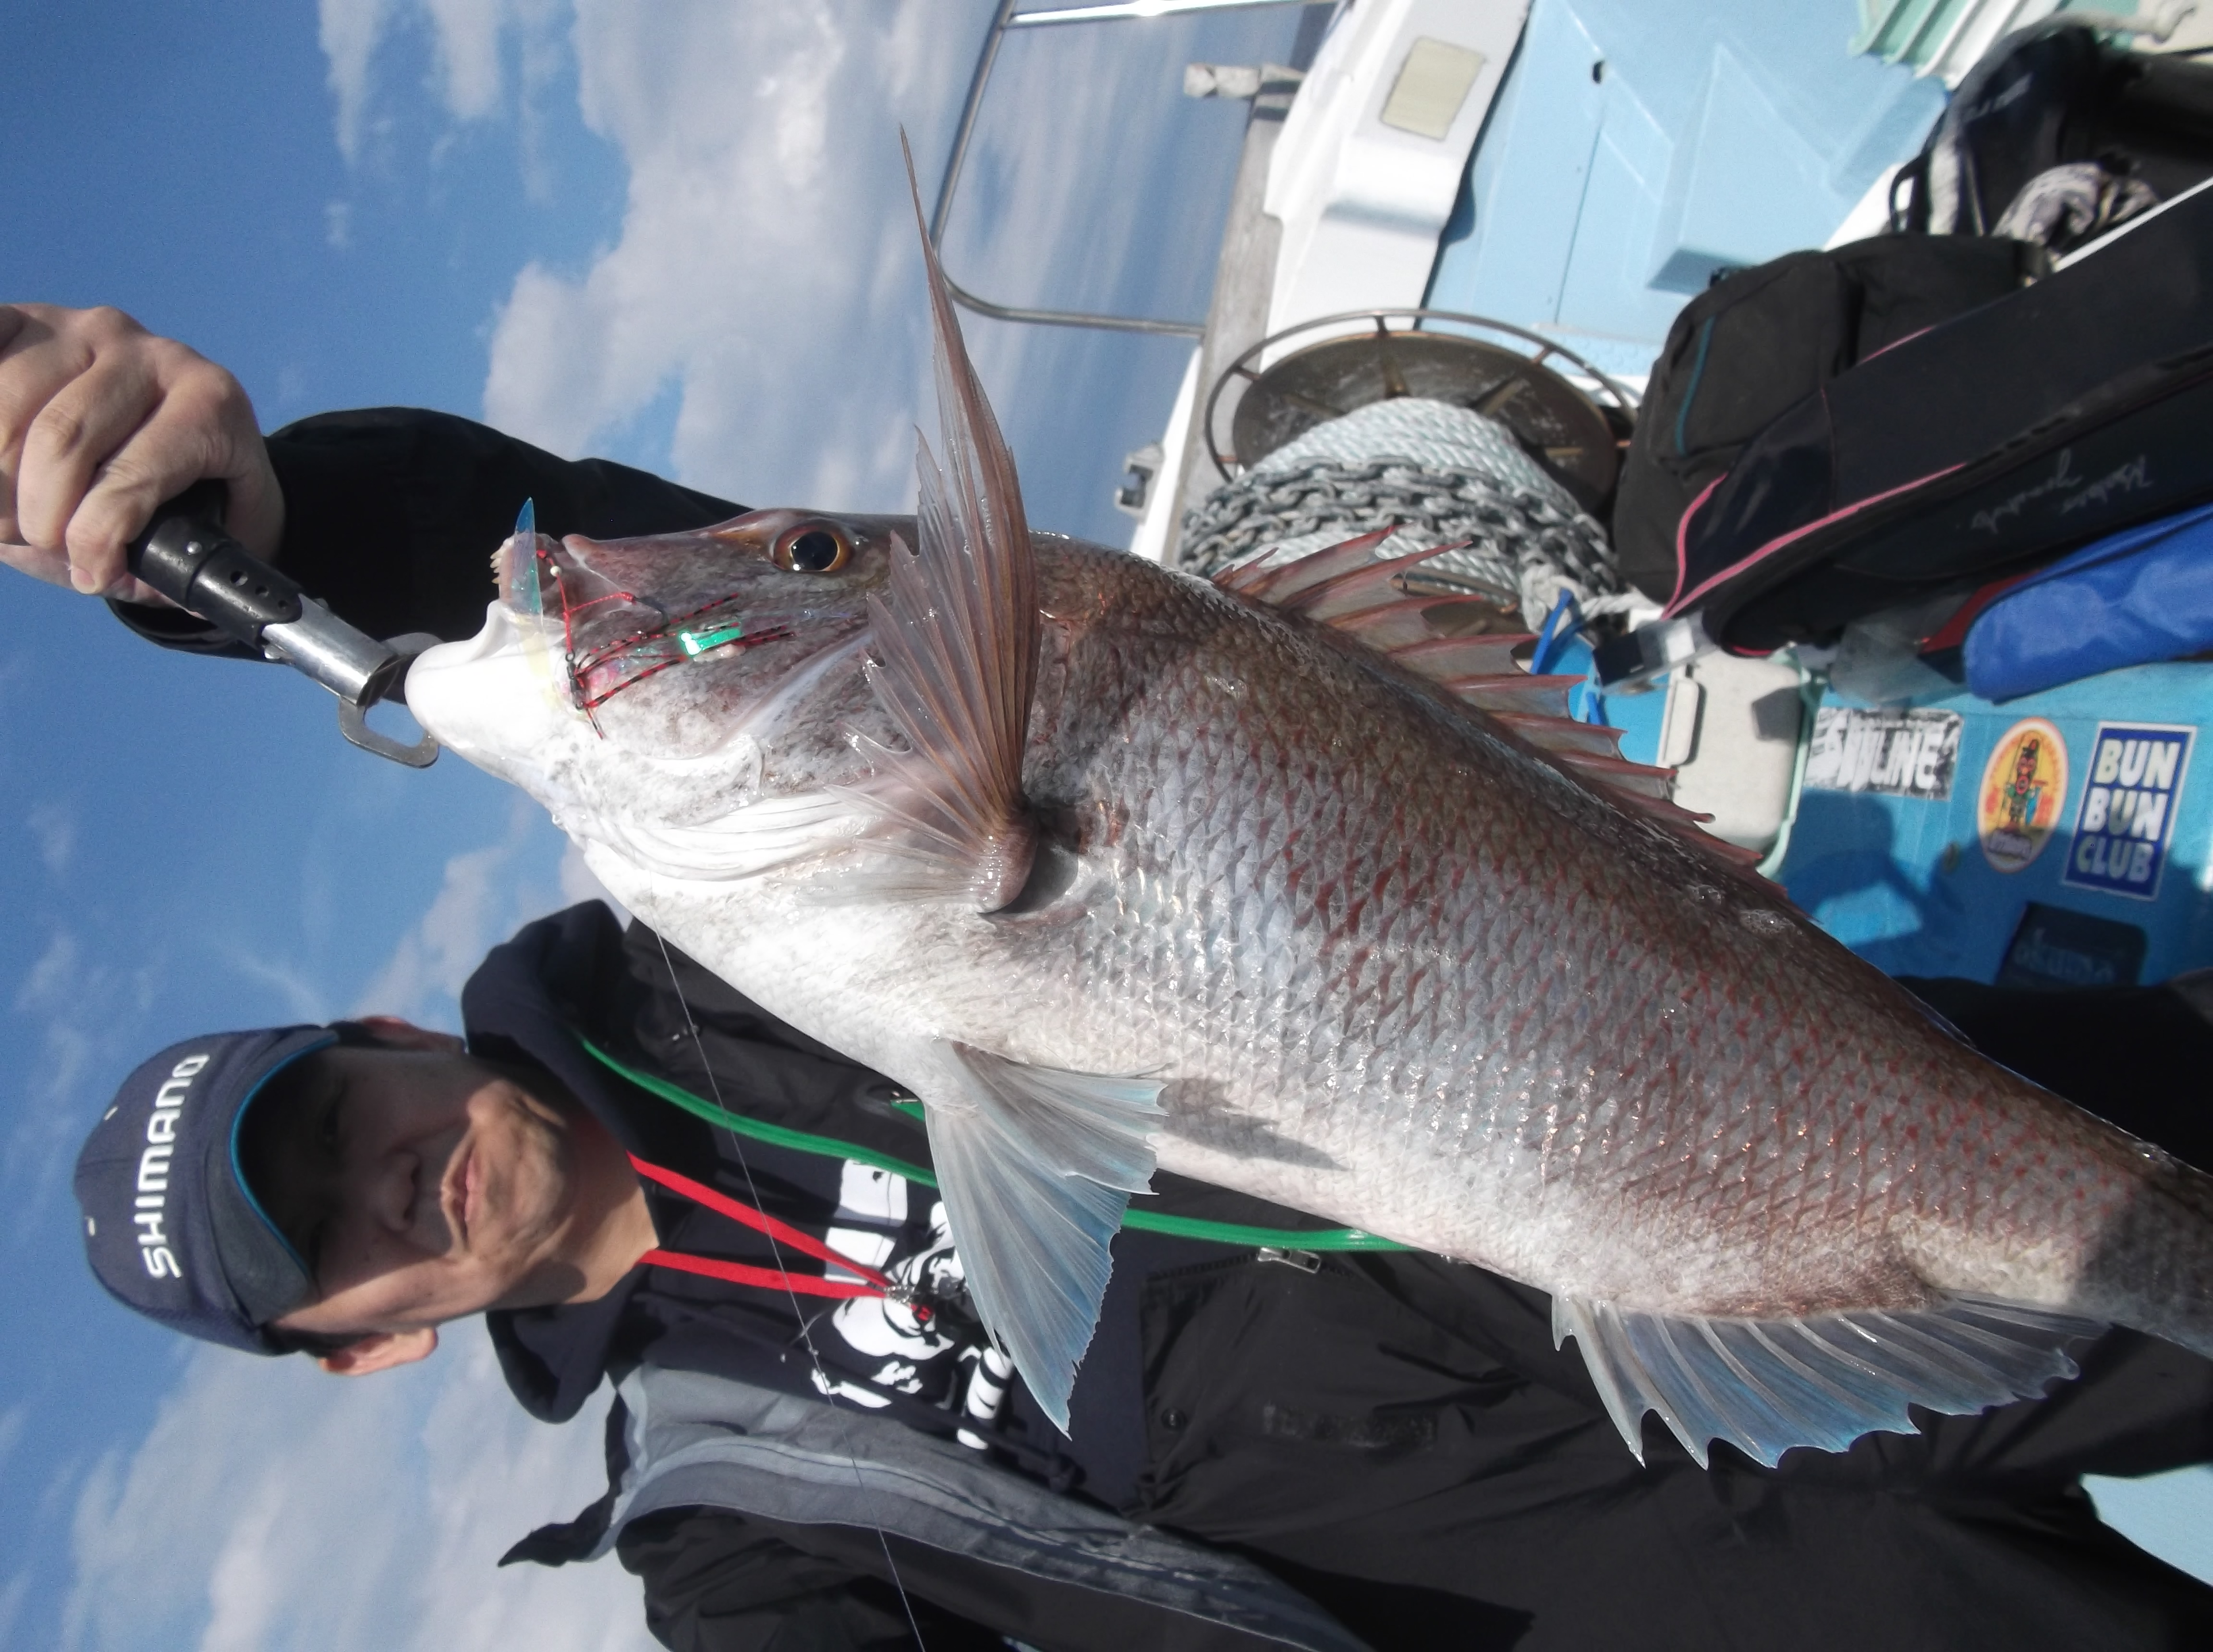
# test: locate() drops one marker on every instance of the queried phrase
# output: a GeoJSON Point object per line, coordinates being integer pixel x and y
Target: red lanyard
{"type": "Point", "coordinates": [738, 1273]}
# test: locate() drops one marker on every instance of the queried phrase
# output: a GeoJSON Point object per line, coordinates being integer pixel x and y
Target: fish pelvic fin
{"type": "Point", "coordinates": [1764, 1385]}
{"type": "Point", "coordinates": [1036, 1165]}
{"type": "Point", "coordinates": [1345, 587]}
{"type": "Point", "coordinates": [953, 656]}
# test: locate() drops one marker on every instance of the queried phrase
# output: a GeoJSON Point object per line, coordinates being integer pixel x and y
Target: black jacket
{"type": "Point", "coordinates": [1391, 1434]}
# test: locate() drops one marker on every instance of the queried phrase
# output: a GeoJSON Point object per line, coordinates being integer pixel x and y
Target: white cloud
{"type": "Point", "coordinates": [53, 978]}
{"type": "Point", "coordinates": [766, 263]}
{"type": "Point", "coordinates": [765, 281]}
{"type": "Point", "coordinates": [468, 35]}
{"type": "Point", "coordinates": [348, 31]}
{"type": "Point", "coordinates": [435, 957]}
{"type": "Point", "coordinates": [13, 1594]}
{"type": "Point", "coordinates": [486, 895]}
{"type": "Point", "coordinates": [69, 1002]}
{"type": "Point", "coordinates": [54, 827]}
{"type": "Point", "coordinates": [301, 989]}
{"type": "Point", "coordinates": [766, 269]}
{"type": "Point", "coordinates": [469, 39]}
{"type": "Point", "coordinates": [271, 1507]}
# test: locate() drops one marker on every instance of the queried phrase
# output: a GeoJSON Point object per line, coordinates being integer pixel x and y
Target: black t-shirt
{"type": "Point", "coordinates": [875, 1352]}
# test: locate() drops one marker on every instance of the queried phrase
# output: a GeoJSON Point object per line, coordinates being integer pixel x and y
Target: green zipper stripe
{"type": "Point", "coordinates": [1235, 1233]}
{"type": "Point", "coordinates": [776, 1135]}
{"type": "Point", "coordinates": [1154, 1222]}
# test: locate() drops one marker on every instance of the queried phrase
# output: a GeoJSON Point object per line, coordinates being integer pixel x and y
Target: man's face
{"type": "Point", "coordinates": [420, 1186]}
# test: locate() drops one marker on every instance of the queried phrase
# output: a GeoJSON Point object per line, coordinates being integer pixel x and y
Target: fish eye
{"type": "Point", "coordinates": [812, 548]}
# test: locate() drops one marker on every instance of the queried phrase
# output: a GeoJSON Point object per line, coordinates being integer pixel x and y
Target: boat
{"type": "Point", "coordinates": [1529, 191]}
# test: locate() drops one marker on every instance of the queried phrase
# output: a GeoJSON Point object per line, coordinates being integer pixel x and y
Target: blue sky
{"type": "Point", "coordinates": [674, 235]}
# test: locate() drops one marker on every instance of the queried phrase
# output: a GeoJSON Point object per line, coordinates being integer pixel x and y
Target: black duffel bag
{"type": "Point", "coordinates": [1980, 448]}
{"type": "Point", "coordinates": [1747, 349]}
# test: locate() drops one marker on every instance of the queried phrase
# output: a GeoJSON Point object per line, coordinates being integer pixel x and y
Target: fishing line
{"type": "Point", "coordinates": [806, 1324]}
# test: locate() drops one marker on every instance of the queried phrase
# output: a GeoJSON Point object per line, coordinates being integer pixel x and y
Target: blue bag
{"type": "Point", "coordinates": [2141, 595]}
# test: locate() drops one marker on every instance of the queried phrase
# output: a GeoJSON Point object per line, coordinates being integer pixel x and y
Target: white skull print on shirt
{"type": "Point", "coordinates": [912, 1346]}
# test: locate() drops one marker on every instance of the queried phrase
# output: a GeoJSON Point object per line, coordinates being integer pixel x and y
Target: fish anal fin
{"type": "Point", "coordinates": [1765, 1385]}
{"type": "Point", "coordinates": [953, 647]}
{"type": "Point", "coordinates": [1035, 1165]}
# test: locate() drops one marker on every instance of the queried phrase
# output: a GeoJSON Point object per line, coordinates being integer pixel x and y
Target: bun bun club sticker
{"type": "Point", "coordinates": [2130, 800]}
{"type": "Point", "coordinates": [2024, 788]}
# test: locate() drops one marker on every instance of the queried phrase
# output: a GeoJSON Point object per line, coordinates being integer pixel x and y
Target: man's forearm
{"type": "Point", "coordinates": [392, 514]}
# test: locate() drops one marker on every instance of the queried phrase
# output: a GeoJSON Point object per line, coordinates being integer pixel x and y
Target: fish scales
{"type": "Point", "coordinates": [1217, 887]}
{"type": "Point", "coordinates": [1351, 1003]}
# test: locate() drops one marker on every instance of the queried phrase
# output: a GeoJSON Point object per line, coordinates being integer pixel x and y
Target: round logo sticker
{"type": "Point", "coordinates": [2024, 788]}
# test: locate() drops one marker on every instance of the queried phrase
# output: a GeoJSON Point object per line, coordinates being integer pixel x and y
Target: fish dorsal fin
{"type": "Point", "coordinates": [1356, 590]}
{"type": "Point", "coordinates": [1560, 734]}
{"type": "Point", "coordinates": [1764, 1385]}
{"type": "Point", "coordinates": [1279, 583]}
{"type": "Point", "coordinates": [1346, 588]}
{"type": "Point", "coordinates": [955, 651]}
{"type": "Point", "coordinates": [1515, 691]}
{"type": "Point", "coordinates": [1442, 659]}
{"type": "Point", "coordinates": [1398, 624]}
{"type": "Point", "coordinates": [1036, 1165]}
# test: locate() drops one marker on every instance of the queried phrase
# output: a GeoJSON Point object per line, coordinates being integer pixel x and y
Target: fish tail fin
{"type": "Point", "coordinates": [954, 646]}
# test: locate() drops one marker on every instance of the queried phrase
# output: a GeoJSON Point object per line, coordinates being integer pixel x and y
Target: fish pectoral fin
{"type": "Point", "coordinates": [1764, 1385]}
{"type": "Point", "coordinates": [1035, 1166]}
{"type": "Point", "coordinates": [954, 650]}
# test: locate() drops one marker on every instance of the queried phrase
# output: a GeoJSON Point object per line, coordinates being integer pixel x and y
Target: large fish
{"type": "Point", "coordinates": [1281, 884]}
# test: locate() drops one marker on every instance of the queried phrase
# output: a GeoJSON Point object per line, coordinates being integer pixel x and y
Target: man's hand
{"type": "Point", "coordinates": [100, 421]}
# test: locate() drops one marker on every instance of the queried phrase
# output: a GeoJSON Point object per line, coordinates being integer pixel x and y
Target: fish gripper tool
{"type": "Point", "coordinates": [185, 554]}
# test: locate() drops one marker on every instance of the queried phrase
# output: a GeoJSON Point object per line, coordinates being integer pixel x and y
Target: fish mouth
{"type": "Point", "coordinates": [496, 698]}
{"type": "Point", "coordinates": [609, 638]}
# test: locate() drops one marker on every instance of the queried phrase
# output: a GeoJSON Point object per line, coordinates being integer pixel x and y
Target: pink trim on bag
{"type": "Point", "coordinates": [1795, 534]}
{"type": "Point", "coordinates": [1682, 534]}
{"type": "Point", "coordinates": [1895, 344]}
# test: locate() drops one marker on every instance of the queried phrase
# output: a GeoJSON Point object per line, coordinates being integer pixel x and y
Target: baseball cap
{"type": "Point", "coordinates": [171, 1226]}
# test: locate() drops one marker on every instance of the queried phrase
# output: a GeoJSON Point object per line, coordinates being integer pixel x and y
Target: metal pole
{"type": "Point", "coordinates": [1072, 318]}
{"type": "Point", "coordinates": [967, 127]}
{"type": "Point", "coordinates": [1005, 18]}
{"type": "Point", "coordinates": [1139, 8]}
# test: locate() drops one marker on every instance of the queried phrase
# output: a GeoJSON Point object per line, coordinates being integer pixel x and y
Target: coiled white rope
{"type": "Point", "coordinates": [1445, 475]}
